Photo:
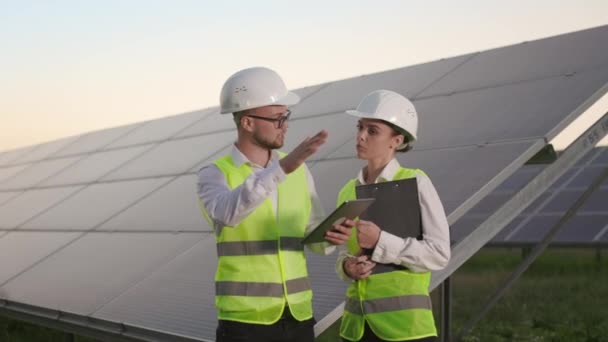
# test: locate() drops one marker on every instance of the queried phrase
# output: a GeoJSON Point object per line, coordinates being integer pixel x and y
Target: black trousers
{"type": "Point", "coordinates": [287, 329]}
{"type": "Point", "coordinates": [369, 336]}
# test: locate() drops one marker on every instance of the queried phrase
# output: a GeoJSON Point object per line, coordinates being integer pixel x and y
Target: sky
{"type": "Point", "coordinates": [69, 67]}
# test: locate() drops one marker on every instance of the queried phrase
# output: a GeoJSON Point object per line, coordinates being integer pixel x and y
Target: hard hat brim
{"type": "Point", "coordinates": [372, 116]}
{"type": "Point", "coordinates": [289, 99]}
{"type": "Point", "coordinates": [360, 114]}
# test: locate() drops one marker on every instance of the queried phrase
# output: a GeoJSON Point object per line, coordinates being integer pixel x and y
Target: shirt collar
{"type": "Point", "coordinates": [387, 174]}
{"type": "Point", "coordinates": [239, 158]}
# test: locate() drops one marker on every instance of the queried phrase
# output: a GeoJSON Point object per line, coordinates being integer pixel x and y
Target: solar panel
{"type": "Point", "coordinates": [45, 150]}
{"type": "Point", "coordinates": [180, 210]}
{"type": "Point", "coordinates": [7, 196]}
{"type": "Point", "coordinates": [97, 140]}
{"type": "Point", "coordinates": [10, 171]}
{"type": "Point", "coordinates": [560, 55]}
{"type": "Point", "coordinates": [95, 204]}
{"type": "Point", "coordinates": [585, 228]}
{"type": "Point", "coordinates": [158, 130]}
{"type": "Point", "coordinates": [178, 156]}
{"type": "Point", "coordinates": [31, 203]}
{"type": "Point", "coordinates": [213, 122]}
{"type": "Point", "coordinates": [114, 262]}
{"type": "Point", "coordinates": [129, 245]}
{"type": "Point", "coordinates": [94, 166]}
{"type": "Point", "coordinates": [9, 157]}
{"type": "Point", "coordinates": [35, 173]}
{"type": "Point", "coordinates": [184, 295]}
{"type": "Point", "coordinates": [24, 249]}
{"type": "Point", "coordinates": [582, 228]}
{"type": "Point", "coordinates": [339, 127]}
{"type": "Point", "coordinates": [341, 95]}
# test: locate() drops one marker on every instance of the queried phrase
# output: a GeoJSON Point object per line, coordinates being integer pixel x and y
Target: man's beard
{"type": "Point", "coordinates": [267, 143]}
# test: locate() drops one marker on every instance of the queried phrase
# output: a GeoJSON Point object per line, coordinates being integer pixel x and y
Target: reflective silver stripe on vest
{"type": "Point", "coordinates": [353, 306]}
{"type": "Point", "coordinates": [246, 248]}
{"type": "Point", "coordinates": [289, 243]}
{"type": "Point", "coordinates": [237, 288]}
{"type": "Point", "coordinates": [371, 306]}
{"type": "Point", "coordinates": [251, 289]}
{"type": "Point", "coordinates": [298, 285]}
{"type": "Point", "coordinates": [232, 248]}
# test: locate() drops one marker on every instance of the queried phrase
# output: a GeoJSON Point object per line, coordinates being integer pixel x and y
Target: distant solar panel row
{"type": "Point", "coordinates": [588, 227]}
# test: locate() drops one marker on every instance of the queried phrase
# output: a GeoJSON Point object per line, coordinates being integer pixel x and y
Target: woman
{"type": "Point", "coordinates": [393, 305]}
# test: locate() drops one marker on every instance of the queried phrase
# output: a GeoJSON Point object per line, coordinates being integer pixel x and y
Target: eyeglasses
{"type": "Point", "coordinates": [279, 121]}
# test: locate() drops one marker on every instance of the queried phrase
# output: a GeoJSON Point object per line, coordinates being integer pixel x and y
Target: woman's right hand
{"type": "Point", "coordinates": [358, 267]}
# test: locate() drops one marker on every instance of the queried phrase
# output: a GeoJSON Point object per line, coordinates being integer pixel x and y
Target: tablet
{"type": "Point", "coordinates": [347, 210]}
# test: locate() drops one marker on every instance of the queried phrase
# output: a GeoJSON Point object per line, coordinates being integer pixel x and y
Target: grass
{"type": "Point", "coordinates": [17, 331]}
{"type": "Point", "coordinates": [563, 296]}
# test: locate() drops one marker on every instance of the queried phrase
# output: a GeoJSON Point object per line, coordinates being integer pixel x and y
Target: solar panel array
{"type": "Point", "coordinates": [106, 226]}
{"type": "Point", "coordinates": [589, 227]}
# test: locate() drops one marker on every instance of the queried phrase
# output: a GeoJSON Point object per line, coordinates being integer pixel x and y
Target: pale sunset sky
{"type": "Point", "coordinates": [69, 67]}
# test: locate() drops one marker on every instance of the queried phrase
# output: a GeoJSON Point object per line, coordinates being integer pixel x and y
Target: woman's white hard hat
{"type": "Point", "coordinates": [391, 107]}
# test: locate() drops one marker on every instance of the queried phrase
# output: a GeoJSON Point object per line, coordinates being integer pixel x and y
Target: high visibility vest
{"type": "Point", "coordinates": [395, 302]}
{"type": "Point", "coordinates": [261, 264]}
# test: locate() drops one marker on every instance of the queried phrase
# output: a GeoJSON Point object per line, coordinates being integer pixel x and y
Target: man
{"type": "Point", "coordinates": [261, 203]}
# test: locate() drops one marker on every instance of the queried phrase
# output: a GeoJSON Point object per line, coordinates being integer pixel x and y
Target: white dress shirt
{"type": "Point", "coordinates": [429, 254]}
{"type": "Point", "coordinates": [228, 207]}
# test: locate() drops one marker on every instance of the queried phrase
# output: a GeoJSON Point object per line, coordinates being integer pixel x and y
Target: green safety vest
{"type": "Point", "coordinates": [261, 263]}
{"type": "Point", "coordinates": [395, 302]}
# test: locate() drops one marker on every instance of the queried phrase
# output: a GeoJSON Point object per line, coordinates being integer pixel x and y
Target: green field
{"type": "Point", "coordinates": [16, 331]}
{"type": "Point", "coordinates": [562, 297]}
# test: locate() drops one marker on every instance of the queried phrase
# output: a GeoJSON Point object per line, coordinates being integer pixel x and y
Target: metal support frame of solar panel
{"type": "Point", "coordinates": [84, 326]}
{"type": "Point", "coordinates": [520, 201]}
{"type": "Point", "coordinates": [524, 231]}
{"type": "Point", "coordinates": [581, 177]}
{"type": "Point", "coordinates": [440, 85]}
{"type": "Point", "coordinates": [514, 206]}
{"type": "Point", "coordinates": [535, 252]}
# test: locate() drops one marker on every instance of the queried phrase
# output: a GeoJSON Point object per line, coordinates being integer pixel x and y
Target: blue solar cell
{"type": "Point", "coordinates": [532, 207]}
{"type": "Point", "coordinates": [464, 226]}
{"type": "Point", "coordinates": [536, 229]}
{"type": "Point", "coordinates": [586, 176]}
{"type": "Point", "coordinates": [520, 178]}
{"type": "Point", "coordinates": [589, 158]}
{"type": "Point", "coordinates": [603, 158]}
{"type": "Point", "coordinates": [598, 201]}
{"type": "Point", "coordinates": [508, 229]}
{"type": "Point", "coordinates": [582, 228]}
{"type": "Point", "coordinates": [490, 203]}
{"type": "Point", "coordinates": [562, 201]}
{"type": "Point", "coordinates": [565, 178]}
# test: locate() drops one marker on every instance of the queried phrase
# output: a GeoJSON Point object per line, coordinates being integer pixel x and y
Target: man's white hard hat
{"type": "Point", "coordinates": [253, 88]}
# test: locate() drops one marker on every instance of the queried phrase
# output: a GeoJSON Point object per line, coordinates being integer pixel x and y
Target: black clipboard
{"type": "Point", "coordinates": [396, 210]}
{"type": "Point", "coordinates": [347, 210]}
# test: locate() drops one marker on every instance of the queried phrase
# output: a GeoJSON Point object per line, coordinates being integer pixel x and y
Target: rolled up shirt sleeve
{"type": "Point", "coordinates": [340, 264]}
{"type": "Point", "coordinates": [433, 251]}
{"type": "Point", "coordinates": [228, 207]}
